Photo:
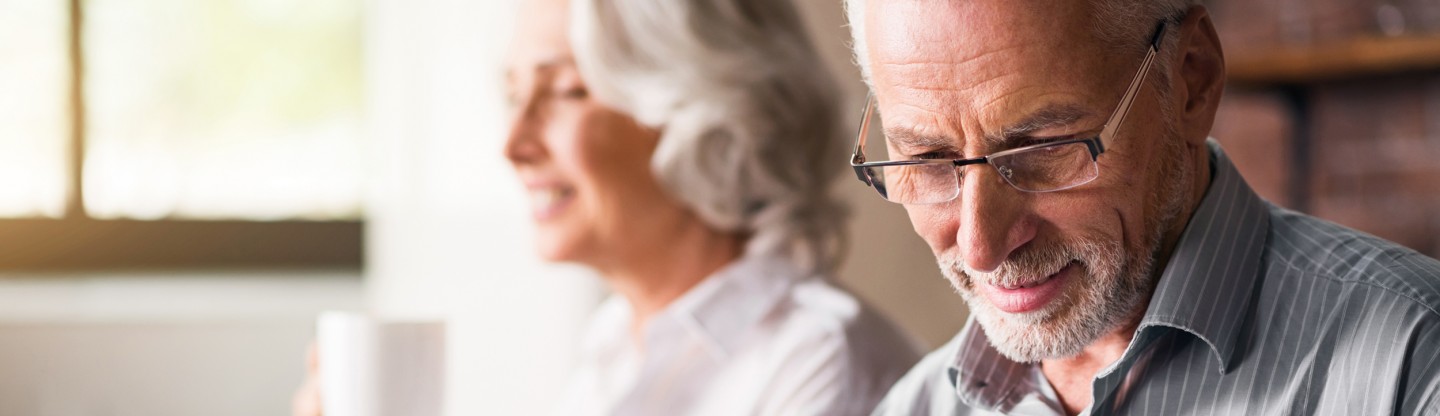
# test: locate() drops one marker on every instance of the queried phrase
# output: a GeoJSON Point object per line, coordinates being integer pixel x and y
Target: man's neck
{"type": "Point", "coordinates": [1072, 377]}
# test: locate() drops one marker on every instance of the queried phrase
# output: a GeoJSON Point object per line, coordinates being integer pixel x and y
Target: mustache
{"type": "Point", "coordinates": [1031, 265]}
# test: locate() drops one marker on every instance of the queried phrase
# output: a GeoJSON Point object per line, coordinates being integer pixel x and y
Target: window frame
{"type": "Point", "coordinates": [77, 242]}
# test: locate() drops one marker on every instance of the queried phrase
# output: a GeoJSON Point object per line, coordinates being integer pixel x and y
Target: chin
{"type": "Point", "coordinates": [554, 251]}
{"type": "Point", "coordinates": [550, 255]}
{"type": "Point", "coordinates": [558, 246]}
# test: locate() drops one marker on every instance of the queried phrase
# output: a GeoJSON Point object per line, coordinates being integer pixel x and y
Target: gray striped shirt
{"type": "Point", "coordinates": [1260, 311]}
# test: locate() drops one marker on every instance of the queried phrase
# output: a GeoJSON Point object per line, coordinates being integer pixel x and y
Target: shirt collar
{"type": "Point", "coordinates": [715, 314]}
{"type": "Point", "coordinates": [992, 381]}
{"type": "Point", "coordinates": [1208, 283]}
{"type": "Point", "coordinates": [1205, 290]}
{"type": "Point", "coordinates": [721, 310]}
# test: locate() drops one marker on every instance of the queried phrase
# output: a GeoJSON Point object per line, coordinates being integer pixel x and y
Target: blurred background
{"type": "Point", "coordinates": [185, 184]}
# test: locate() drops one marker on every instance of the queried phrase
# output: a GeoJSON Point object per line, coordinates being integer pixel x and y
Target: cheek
{"type": "Point", "coordinates": [612, 166]}
{"type": "Point", "coordinates": [590, 162]}
{"type": "Point", "coordinates": [615, 155]}
{"type": "Point", "coordinates": [1097, 212]}
{"type": "Point", "coordinates": [1135, 158]}
{"type": "Point", "coordinates": [572, 236]}
{"type": "Point", "coordinates": [1118, 170]}
{"type": "Point", "coordinates": [1128, 181]}
{"type": "Point", "coordinates": [566, 141]}
{"type": "Point", "coordinates": [936, 224]}
{"type": "Point", "coordinates": [587, 144]}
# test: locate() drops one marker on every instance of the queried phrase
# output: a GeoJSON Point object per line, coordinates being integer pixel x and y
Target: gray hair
{"type": "Point", "coordinates": [1124, 24]}
{"type": "Point", "coordinates": [747, 112]}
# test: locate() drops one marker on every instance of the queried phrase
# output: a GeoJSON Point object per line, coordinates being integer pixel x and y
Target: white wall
{"type": "Point", "coordinates": [150, 369]}
{"type": "Point", "coordinates": [160, 343]}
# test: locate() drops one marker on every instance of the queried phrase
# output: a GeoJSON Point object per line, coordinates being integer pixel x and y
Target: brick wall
{"type": "Point", "coordinates": [1376, 158]}
{"type": "Point", "coordinates": [1255, 129]}
{"type": "Point", "coordinates": [1372, 156]}
{"type": "Point", "coordinates": [1264, 23]}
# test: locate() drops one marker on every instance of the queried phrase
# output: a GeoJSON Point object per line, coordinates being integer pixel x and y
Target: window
{"type": "Point", "coordinates": [177, 133]}
{"type": "Point", "coordinates": [34, 72]}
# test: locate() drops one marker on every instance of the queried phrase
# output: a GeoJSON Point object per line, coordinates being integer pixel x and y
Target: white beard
{"type": "Point", "coordinates": [1104, 292]}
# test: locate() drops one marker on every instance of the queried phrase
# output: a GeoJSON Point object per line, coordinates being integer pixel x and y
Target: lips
{"type": "Point", "coordinates": [1026, 285]}
{"type": "Point", "coordinates": [1029, 296]}
{"type": "Point", "coordinates": [548, 200]}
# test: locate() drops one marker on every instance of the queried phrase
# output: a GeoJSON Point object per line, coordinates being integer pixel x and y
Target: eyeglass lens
{"type": "Point", "coordinates": [1041, 169]}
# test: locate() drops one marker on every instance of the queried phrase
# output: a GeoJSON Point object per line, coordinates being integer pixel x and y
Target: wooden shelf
{"type": "Point", "coordinates": [1344, 60]}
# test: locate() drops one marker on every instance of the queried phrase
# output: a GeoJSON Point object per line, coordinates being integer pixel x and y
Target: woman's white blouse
{"type": "Point", "coordinates": [755, 338]}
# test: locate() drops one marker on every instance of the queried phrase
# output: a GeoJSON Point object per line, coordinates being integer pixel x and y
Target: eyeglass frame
{"type": "Point", "coordinates": [1096, 144]}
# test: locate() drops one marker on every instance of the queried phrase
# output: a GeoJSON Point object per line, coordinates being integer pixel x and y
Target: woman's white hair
{"type": "Point", "coordinates": [748, 114]}
{"type": "Point", "coordinates": [1123, 24]}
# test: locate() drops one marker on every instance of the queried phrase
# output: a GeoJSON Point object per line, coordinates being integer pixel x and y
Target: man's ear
{"type": "Point", "coordinates": [1201, 75]}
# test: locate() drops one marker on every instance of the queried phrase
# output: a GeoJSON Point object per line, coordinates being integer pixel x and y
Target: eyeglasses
{"type": "Point", "coordinates": [1045, 167]}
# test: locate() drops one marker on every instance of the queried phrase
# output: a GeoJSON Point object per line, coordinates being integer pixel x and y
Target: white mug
{"type": "Point", "coordinates": [372, 367]}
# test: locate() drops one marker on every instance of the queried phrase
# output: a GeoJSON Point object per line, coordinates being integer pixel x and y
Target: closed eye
{"type": "Point", "coordinates": [573, 93]}
{"type": "Point", "coordinates": [1032, 141]}
{"type": "Point", "coordinates": [935, 155]}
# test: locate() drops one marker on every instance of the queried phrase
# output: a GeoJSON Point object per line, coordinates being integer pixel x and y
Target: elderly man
{"type": "Point", "coordinates": [1054, 155]}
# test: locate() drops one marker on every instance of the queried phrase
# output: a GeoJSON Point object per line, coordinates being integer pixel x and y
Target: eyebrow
{"type": "Point", "coordinates": [1055, 115]}
{"type": "Point", "coordinates": [912, 138]}
{"type": "Point", "coordinates": [542, 65]}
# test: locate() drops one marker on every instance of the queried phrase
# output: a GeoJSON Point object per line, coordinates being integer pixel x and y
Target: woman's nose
{"type": "Point", "coordinates": [523, 144]}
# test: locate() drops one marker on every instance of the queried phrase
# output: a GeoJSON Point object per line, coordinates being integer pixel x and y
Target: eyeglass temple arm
{"type": "Point", "coordinates": [857, 157]}
{"type": "Point", "coordinates": [1121, 111]}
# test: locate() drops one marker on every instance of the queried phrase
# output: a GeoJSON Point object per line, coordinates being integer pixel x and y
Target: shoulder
{"type": "Point", "coordinates": [606, 329]}
{"type": "Point", "coordinates": [818, 317]}
{"type": "Point", "coordinates": [1311, 248]}
{"type": "Point", "coordinates": [830, 351]}
{"type": "Point", "coordinates": [1367, 290]}
{"type": "Point", "coordinates": [927, 388]}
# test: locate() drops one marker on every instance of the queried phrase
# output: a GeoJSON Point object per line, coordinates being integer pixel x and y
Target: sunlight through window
{"type": "Point", "coordinates": [247, 109]}
{"type": "Point", "coordinates": [34, 100]}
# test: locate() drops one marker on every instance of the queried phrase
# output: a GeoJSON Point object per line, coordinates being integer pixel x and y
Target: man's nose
{"type": "Point", "coordinates": [994, 219]}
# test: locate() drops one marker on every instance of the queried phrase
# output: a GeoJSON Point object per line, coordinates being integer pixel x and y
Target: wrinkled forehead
{"type": "Point", "coordinates": [965, 45]}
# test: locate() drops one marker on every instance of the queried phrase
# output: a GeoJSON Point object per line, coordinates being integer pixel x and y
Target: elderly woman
{"type": "Point", "coordinates": [683, 149]}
